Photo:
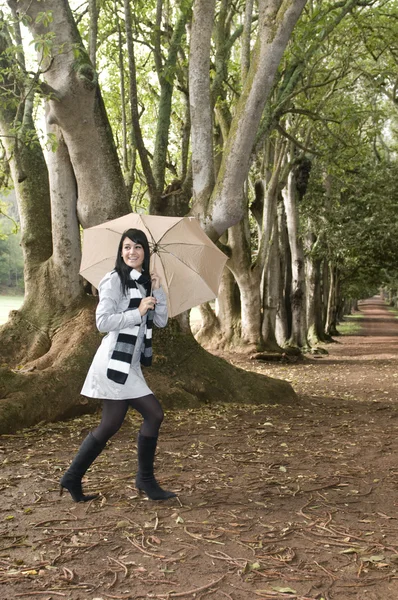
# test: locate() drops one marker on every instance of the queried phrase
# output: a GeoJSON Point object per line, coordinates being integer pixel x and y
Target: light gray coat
{"type": "Point", "coordinates": [112, 316]}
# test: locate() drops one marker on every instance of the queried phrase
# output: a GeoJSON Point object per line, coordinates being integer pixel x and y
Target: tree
{"type": "Point", "coordinates": [288, 116]}
{"type": "Point", "coordinates": [52, 334]}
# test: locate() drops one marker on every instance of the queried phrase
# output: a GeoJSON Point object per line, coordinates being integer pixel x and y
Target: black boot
{"type": "Point", "coordinates": [145, 480]}
{"type": "Point", "coordinates": [72, 479]}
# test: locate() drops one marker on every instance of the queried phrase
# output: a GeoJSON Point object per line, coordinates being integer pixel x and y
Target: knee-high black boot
{"type": "Point", "coordinates": [72, 479]}
{"type": "Point", "coordinates": [145, 480]}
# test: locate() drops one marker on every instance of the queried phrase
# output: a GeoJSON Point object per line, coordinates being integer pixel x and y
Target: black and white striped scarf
{"type": "Point", "coordinates": [122, 355]}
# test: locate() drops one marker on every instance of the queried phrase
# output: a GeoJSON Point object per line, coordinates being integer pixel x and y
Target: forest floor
{"type": "Point", "coordinates": [275, 502]}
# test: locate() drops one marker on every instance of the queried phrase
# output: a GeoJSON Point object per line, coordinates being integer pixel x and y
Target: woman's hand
{"type": "Point", "coordinates": [146, 304]}
{"type": "Point", "coordinates": [155, 281]}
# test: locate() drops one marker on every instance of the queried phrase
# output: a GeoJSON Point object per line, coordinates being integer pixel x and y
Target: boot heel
{"type": "Point", "coordinates": [61, 490]}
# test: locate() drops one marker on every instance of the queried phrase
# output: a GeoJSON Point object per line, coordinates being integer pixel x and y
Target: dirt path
{"type": "Point", "coordinates": [291, 502]}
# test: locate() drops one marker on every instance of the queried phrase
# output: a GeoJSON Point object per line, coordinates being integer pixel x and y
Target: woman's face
{"type": "Point", "coordinates": [133, 254]}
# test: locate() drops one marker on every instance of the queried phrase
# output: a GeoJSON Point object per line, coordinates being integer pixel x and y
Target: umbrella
{"type": "Point", "coordinates": [188, 263]}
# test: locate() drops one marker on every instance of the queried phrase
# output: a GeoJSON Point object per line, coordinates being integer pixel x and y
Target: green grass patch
{"type": "Point", "coordinates": [8, 303]}
{"type": "Point", "coordinates": [393, 310]}
{"type": "Point", "coordinates": [351, 325]}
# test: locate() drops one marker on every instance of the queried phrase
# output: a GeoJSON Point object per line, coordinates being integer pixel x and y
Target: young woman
{"type": "Point", "coordinates": [126, 312]}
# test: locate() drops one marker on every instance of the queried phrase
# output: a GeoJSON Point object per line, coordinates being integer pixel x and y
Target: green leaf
{"type": "Point", "coordinates": [373, 559]}
{"type": "Point", "coordinates": [122, 524]}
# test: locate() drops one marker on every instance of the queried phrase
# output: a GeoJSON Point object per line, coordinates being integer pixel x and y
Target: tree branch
{"type": "Point", "coordinates": [287, 135]}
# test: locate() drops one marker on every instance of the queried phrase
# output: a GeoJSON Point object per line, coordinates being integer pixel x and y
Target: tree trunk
{"type": "Point", "coordinates": [186, 167]}
{"type": "Point", "coordinates": [249, 287]}
{"type": "Point", "coordinates": [93, 9]}
{"type": "Point", "coordinates": [210, 325]}
{"type": "Point", "coordinates": [314, 302]}
{"type": "Point", "coordinates": [271, 299]}
{"type": "Point", "coordinates": [248, 278]}
{"type": "Point", "coordinates": [246, 39]}
{"type": "Point", "coordinates": [153, 192]}
{"type": "Point", "coordinates": [315, 328]}
{"type": "Point", "coordinates": [331, 316]}
{"type": "Point", "coordinates": [325, 290]}
{"type": "Point", "coordinates": [199, 101]}
{"type": "Point", "coordinates": [26, 332]}
{"type": "Point", "coordinates": [268, 254]}
{"type": "Point", "coordinates": [283, 313]}
{"type": "Point", "coordinates": [223, 331]}
{"type": "Point", "coordinates": [70, 75]}
{"type": "Point", "coordinates": [276, 23]}
{"type": "Point", "coordinates": [166, 80]}
{"type": "Point", "coordinates": [298, 337]}
{"type": "Point", "coordinates": [125, 161]}
{"type": "Point", "coordinates": [229, 307]}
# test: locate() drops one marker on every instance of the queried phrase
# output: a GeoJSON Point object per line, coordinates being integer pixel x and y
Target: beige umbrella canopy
{"type": "Point", "coordinates": [187, 261]}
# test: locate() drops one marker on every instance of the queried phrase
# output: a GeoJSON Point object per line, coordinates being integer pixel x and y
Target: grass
{"type": "Point", "coordinates": [393, 310]}
{"type": "Point", "coordinates": [351, 325]}
{"type": "Point", "coordinates": [8, 303]}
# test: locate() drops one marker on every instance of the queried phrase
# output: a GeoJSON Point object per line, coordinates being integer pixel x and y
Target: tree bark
{"type": "Point", "coordinates": [283, 315]}
{"type": "Point", "coordinates": [331, 315]}
{"type": "Point", "coordinates": [25, 332]}
{"type": "Point", "coordinates": [224, 331]}
{"type": "Point", "coordinates": [66, 255]}
{"type": "Point", "coordinates": [200, 104]}
{"type": "Point", "coordinates": [298, 336]}
{"type": "Point", "coordinates": [154, 194]}
{"type": "Point", "coordinates": [276, 23]}
{"type": "Point", "coordinates": [93, 10]}
{"type": "Point", "coordinates": [268, 255]}
{"type": "Point", "coordinates": [166, 80]}
{"type": "Point", "coordinates": [125, 160]}
{"type": "Point", "coordinates": [70, 75]}
{"type": "Point", "coordinates": [248, 278]}
{"type": "Point", "coordinates": [271, 298]}
{"type": "Point", "coordinates": [229, 307]}
{"type": "Point", "coordinates": [315, 327]}
{"type": "Point", "coordinates": [246, 39]}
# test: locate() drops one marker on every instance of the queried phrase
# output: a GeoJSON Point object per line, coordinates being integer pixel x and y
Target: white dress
{"type": "Point", "coordinates": [112, 316]}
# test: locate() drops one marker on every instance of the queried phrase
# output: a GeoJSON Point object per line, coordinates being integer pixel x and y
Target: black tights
{"type": "Point", "coordinates": [114, 411]}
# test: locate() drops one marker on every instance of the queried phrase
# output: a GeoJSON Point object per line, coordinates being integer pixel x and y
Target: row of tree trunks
{"type": "Point", "coordinates": [295, 297]}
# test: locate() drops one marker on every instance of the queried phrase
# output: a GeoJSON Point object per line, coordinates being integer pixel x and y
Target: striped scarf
{"type": "Point", "coordinates": [122, 355]}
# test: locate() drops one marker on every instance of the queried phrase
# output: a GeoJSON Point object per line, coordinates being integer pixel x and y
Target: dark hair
{"type": "Point", "coordinates": [138, 237]}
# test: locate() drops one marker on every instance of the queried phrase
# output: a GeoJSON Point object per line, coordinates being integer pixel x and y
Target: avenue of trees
{"type": "Point", "coordinates": [274, 123]}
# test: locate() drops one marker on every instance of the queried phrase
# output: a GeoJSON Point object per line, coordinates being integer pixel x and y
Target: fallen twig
{"type": "Point", "coordinates": [38, 593]}
{"type": "Point", "coordinates": [142, 549]}
{"type": "Point", "coordinates": [189, 592]}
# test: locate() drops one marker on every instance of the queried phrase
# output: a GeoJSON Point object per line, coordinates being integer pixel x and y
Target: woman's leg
{"type": "Point", "coordinates": [151, 410]}
{"type": "Point", "coordinates": [113, 413]}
